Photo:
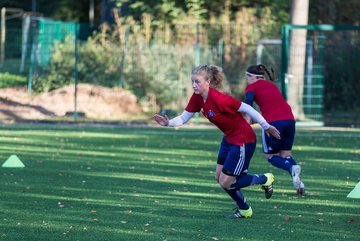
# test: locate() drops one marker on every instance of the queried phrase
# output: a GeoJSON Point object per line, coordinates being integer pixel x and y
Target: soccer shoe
{"type": "Point", "coordinates": [268, 185]}
{"type": "Point", "coordinates": [295, 173]}
{"type": "Point", "coordinates": [301, 189]}
{"type": "Point", "coordinates": [239, 213]}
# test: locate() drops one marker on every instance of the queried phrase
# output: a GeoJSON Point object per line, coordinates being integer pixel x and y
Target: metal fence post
{"type": "Point", "coordinates": [2, 36]}
{"type": "Point", "coordinates": [197, 46]}
{"type": "Point", "coordinates": [76, 56]}
{"type": "Point", "coordinates": [284, 58]}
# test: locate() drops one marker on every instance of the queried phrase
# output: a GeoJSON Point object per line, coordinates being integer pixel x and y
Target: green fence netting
{"type": "Point", "coordinates": [51, 54]}
{"type": "Point", "coordinates": [50, 32]}
{"type": "Point", "coordinates": [330, 83]}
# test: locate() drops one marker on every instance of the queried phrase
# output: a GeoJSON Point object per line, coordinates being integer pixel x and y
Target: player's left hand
{"type": "Point", "coordinates": [248, 119]}
{"type": "Point", "coordinates": [274, 132]}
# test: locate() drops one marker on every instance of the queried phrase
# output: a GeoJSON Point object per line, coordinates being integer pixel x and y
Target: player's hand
{"type": "Point", "coordinates": [161, 120]}
{"type": "Point", "coordinates": [248, 119]}
{"type": "Point", "coordinates": [274, 132]}
{"type": "Point", "coordinates": [218, 171]}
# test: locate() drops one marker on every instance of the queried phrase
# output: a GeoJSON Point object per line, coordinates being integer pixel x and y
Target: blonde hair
{"type": "Point", "coordinates": [213, 73]}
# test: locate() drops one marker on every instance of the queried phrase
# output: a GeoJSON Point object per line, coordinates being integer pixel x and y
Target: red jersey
{"type": "Point", "coordinates": [221, 110]}
{"type": "Point", "coordinates": [272, 104]}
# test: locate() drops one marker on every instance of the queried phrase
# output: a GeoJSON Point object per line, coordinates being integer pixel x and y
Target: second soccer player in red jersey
{"type": "Point", "coordinates": [278, 113]}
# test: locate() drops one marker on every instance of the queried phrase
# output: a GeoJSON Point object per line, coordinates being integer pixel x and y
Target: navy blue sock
{"type": "Point", "coordinates": [238, 197]}
{"type": "Point", "coordinates": [245, 180]}
{"type": "Point", "coordinates": [291, 160]}
{"type": "Point", "coordinates": [281, 163]}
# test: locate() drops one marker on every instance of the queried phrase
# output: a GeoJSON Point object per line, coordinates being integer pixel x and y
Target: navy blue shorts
{"type": "Point", "coordinates": [235, 158]}
{"type": "Point", "coordinates": [271, 145]}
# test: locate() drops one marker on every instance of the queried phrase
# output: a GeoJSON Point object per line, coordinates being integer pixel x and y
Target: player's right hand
{"type": "Point", "coordinates": [161, 120]}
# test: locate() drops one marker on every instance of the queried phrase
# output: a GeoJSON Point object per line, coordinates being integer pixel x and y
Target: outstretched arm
{"type": "Point", "coordinates": [269, 129]}
{"type": "Point", "coordinates": [177, 121]}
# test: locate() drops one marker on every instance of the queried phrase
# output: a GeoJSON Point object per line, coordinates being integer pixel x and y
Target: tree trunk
{"type": "Point", "coordinates": [296, 70]}
{"type": "Point", "coordinates": [227, 32]}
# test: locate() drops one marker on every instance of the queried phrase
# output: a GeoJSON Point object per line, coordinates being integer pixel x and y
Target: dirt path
{"type": "Point", "coordinates": [96, 102]}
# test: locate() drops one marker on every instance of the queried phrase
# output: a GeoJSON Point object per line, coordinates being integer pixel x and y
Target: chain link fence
{"type": "Point", "coordinates": [329, 82]}
{"type": "Point", "coordinates": [144, 70]}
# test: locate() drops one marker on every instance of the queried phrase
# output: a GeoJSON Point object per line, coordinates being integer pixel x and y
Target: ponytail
{"type": "Point", "coordinates": [271, 76]}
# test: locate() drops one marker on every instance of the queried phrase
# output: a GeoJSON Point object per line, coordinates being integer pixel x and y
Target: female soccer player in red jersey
{"type": "Point", "coordinates": [239, 141]}
{"type": "Point", "coordinates": [278, 113]}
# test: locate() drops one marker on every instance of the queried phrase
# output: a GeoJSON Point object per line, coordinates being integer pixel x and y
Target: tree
{"type": "Point", "coordinates": [295, 77]}
{"type": "Point", "coordinates": [65, 10]}
{"type": "Point", "coordinates": [334, 12]}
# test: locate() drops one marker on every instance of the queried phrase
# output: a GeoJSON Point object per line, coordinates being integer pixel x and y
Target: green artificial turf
{"type": "Point", "coordinates": [132, 183]}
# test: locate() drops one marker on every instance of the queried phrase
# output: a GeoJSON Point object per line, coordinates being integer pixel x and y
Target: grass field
{"type": "Point", "coordinates": [113, 183]}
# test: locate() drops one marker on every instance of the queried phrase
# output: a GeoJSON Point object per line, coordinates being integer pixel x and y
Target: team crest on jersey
{"type": "Point", "coordinates": [211, 114]}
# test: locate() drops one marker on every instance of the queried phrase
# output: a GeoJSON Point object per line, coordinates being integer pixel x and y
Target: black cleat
{"type": "Point", "coordinates": [239, 213]}
{"type": "Point", "coordinates": [268, 186]}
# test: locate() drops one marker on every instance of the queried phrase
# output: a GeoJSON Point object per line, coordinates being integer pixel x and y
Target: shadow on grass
{"type": "Point", "coordinates": [137, 184]}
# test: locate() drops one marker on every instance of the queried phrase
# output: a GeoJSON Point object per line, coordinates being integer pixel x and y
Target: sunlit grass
{"type": "Point", "coordinates": [113, 183]}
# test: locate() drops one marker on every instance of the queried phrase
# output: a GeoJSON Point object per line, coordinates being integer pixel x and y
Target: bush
{"type": "Point", "coordinates": [158, 73]}
{"type": "Point", "coordinates": [11, 80]}
{"type": "Point", "coordinates": [97, 63]}
{"type": "Point", "coordinates": [161, 72]}
{"type": "Point", "coordinates": [155, 61]}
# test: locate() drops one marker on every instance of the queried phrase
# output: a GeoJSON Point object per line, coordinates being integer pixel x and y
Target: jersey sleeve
{"type": "Point", "coordinates": [249, 98]}
{"type": "Point", "coordinates": [194, 104]}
